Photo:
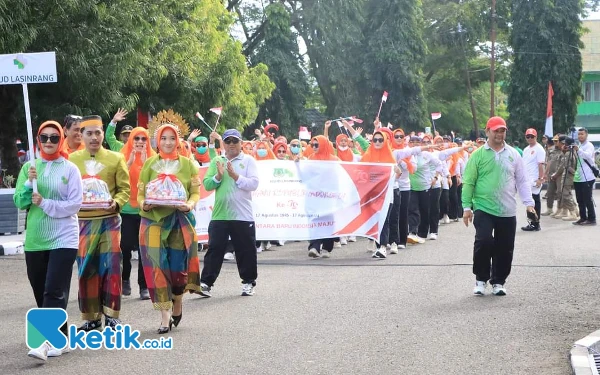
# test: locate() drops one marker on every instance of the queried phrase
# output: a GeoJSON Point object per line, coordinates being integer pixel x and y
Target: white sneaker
{"type": "Point", "coordinates": [267, 245]}
{"type": "Point", "coordinates": [400, 247]}
{"type": "Point", "coordinates": [40, 353]}
{"type": "Point", "coordinates": [433, 236]}
{"type": "Point", "coordinates": [343, 241]}
{"type": "Point", "coordinates": [281, 243]}
{"type": "Point", "coordinates": [446, 219]}
{"type": "Point", "coordinates": [259, 249]}
{"type": "Point", "coordinates": [247, 290]}
{"type": "Point", "coordinates": [413, 239]}
{"type": "Point", "coordinates": [371, 246]}
{"type": "Point", "coordinates": [380, 253]}
{"type": "Point", "coordinates": [420, 239]}
{"type": "Point", "coordinates": [229, 256]}
{"type": "Point", "coordinates": [134, 256]}
{"type": "Point", "coordinates": [352, 239]}
{"type": "Point", "coordinates": [54, 352]}
{"type": "Point", "coordinates": [325, 254]}
{"type": "Point", "coordinates": [337, 245]}
{"type": "Point", "coordinates": [394, 248]}
{"type": "Point", "coordinates": [313, 253]}
{"type": "Point", "coordinates": [498, 290]}
{"type": "Point", "coordinates": [479, 289]}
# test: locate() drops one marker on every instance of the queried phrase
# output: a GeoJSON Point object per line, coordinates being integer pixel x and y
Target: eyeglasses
{"type": "Point", "coordinates": [54, 139]}
{"type": "Point", "coordinates": [143, 139]}
{"type": "Point", "coordinates": [231, 140]}
{"type": "Point", "coordinates": [378, 140]}
{"type": "Point", "coordinates": [314, 145]}
{"type": "Point", "coordinates": [529, 136]}
{"type": "Point", "coordinates": [399, 136]}
{"type": "Point", "coordinates": [200, 144]}
{"type": "Point", "coordinates": [281, 151]}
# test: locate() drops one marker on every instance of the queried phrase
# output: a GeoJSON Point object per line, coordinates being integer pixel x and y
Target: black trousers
{"type": "Point", "coordinates": [583, 194]}
{"type": "Point", "coordinates": [403, 223]}
{"type": "Point", "coordinates": [494, 247]}
{"type": "Point", "coordinates": [384, 238]}
{"type": "Point", "coordinates": [444, 203]}
{"type": "Point", "coordinates": [459, 210]}
{"type": "Point", "coordinates": [434, 210]}
{"type": "Point", "coordinates": [243, 238]}
{"type": "Point", "coordinates": [322, 244]}
{"type": "Point", "coordinates": [49, 273]}
{"type": "Point", "coordinates": [418, 213]}
{"type": "Point", "coordinates": [130, 241]}
{"type": "Point", "coordinates": [394, 218]}
{"type": "Point", "coordinates": [538, 208]}
{"type": "Point", "coordinates": [453, 200]}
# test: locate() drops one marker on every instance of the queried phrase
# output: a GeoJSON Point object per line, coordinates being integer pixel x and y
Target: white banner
{"type": "Point", "coordinates": [19, 68]}
{"type": "Point", "coordinates": [313, 199]}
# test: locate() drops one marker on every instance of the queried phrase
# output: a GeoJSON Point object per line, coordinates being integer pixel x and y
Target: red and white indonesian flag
{"type": "Point", "coordinates": [549, 130]}
{"type": "Point", "coordinates": [303, 133]}
{"type": "Point", "coordinates": [268, 121]}
{"type": "Point", "coordinates": [313, 199]}
{"type": "Point", "coordinates": [384, 97]}
{"type": "Point", "coordinates": [436, 115]}
{"type": "Point", "coordinates": [217, 110]}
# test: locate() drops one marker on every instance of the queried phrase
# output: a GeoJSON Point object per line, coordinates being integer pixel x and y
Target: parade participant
{"type": "Point", "coordinates": [202, 153]}
{"type": "Point", "coordinates": [585, 179]}
{"type": "Point", "coordinates": [494, 174]}
{"type": "Point", "coordinates": [534, 158]}
{"type": "Point", "coordinates": [322, 150]}
{"type": "Point", "coordinates": [168, 240]}
{"type": "Point", "coordinates": [281, 151]}
{"type": "Point", "coordinates": [52, 233]}
{"type": "Point", "coordinates": [295, 148]}
{"type": "Point", "coordinates": [517, 146]}
{"type": "Point", "coordinates": [445, 181]}
{"type": "Point", "coordinates": [136, 151]}
{"type": "Point", "coordinates": [114, 143]}
{"type": "Point", "coordinates": [233, 177]}
{"type": "Point", "coordinates": [263, 151]}
{"type": "Point", "coordinates": [553, 155]}
{"type": "Point", "coordinates": [564, 176]}
{"type": "Point", "coordinates": [99, 255]}
{"type": "Point", "coordinates": [72, 130]}
{"type": "Point", "coordinates": [248, 147]}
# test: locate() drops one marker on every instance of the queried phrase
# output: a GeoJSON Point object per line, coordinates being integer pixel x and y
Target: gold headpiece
{"type": "Point", "coordinates": [168, 117]}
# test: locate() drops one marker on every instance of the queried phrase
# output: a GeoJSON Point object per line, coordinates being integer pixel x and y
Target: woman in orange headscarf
{"type": "Point", "coordinates": [263, 151]}
{"type": "Point", "coordinates": [168, 240]}
{"type": "Point", "coordinates": [248, 147]}
{"type": "Point", "coordinates": [137, 150]}
{"type": "Point", "coordinates": [281, 151]}
{"type": "Point", "coordinates": [343, 151]}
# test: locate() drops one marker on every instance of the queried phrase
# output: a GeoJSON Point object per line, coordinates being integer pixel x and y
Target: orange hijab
{"type": "Point", "coordinates": [136, 167]}
{"type": "Point", "coordinates": [411, 168]}
{"type": "Point", "coordinates": [60, 151]}
{"type": "Point", "coordinates": [201, 158]}
{"type": "Point", "coordinates": [325, 150]}
{"type": "Point", "coordinates": [264, 145]}
{"type": "Point", "coordinates": [382, 155]}
{"type": "Point", "coordinates": [347, 154]}
{"type": "Point", "coordinates": [245, 145]}
{"type": "Point", "coordinates": [186, 149]}
{"type": "Point", "coordinates": [279, 145]}
{"type": "Point", "coordinates": [173, 155]}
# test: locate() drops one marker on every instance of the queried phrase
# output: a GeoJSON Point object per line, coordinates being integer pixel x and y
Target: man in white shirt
{"type": "Point", "coordinates": [534, 158]}
{"type": "Point", "coordinates": [585, 179]}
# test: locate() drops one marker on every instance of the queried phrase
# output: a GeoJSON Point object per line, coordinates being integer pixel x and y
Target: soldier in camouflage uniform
{"type": "Point", "coordinates": [567, 209]}
{"type": "Point", "coordinates": [553, 155]}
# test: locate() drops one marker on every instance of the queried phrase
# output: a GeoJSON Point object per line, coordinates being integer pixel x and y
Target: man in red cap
{"type": "Point", "coordinates": [495, 173]}
{"type": "Point", "coordinates": [534, 157]}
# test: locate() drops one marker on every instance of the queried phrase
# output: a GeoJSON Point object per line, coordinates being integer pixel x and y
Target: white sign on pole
{"type": "Point", "coordinates": [20, 68]}
{"type": "Point", "coordinates": [24, 68]}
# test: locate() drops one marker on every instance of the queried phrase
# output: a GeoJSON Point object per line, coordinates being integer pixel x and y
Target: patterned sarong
{"type": "Point", "coordinates": [99, 264]}
{"type": "Point", "coordinates": [169, 254]}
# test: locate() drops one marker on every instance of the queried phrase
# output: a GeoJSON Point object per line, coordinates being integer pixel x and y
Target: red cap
{"type": "Point", "coordinates": [531, 131]}
{"type": "Point", "coordinates": [495, 123]}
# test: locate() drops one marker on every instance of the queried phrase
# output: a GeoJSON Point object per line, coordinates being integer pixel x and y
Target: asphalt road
{"type": "Point", "coordinates": [412, 313]}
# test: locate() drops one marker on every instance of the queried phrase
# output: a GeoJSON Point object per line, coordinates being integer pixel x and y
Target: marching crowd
{"type": "Point", "coordinates": [438, 180]}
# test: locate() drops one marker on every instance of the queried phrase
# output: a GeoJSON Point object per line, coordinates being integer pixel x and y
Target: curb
{"type": "Point", "coordinates": [11, 248]}
{"type": "Point", "coordinates": [582, 354]}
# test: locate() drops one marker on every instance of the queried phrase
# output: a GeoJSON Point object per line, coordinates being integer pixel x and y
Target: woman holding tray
{"type": "Point", "coordinates": [168, 240]}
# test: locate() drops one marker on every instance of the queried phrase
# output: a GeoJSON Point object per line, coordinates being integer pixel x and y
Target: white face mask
{"type": "Point", "coordinates": [342, 148]}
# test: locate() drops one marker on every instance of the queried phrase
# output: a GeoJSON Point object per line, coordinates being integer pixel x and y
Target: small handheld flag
{"type": "Point", "coordinates": [383, 100]}
{"type": "Point", "coordinates": [217, 110]}
{"type": "Point", "coordinates": [436, 115]}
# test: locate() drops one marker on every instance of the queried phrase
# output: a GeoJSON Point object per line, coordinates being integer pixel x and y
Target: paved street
{"type": "Point", "coordinates": [410, 314]}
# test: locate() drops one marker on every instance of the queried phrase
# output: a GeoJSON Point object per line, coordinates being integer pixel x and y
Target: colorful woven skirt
{"type": "Point", "coordinates": [169, 254]}
{"type": "Point", "coordinates": [99, 264]}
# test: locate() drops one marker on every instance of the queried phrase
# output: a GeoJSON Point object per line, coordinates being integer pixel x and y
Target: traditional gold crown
{"type": "Point", "coordinates": [168, 117]}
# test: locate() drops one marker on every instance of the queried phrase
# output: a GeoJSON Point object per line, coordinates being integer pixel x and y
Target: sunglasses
{"type": "Point", "coordinates": [314, 145]}
{"type": "Point", "coordinates": [399, 136]}
{"type": "Point", "coordinates": [229, 141]}
{"type": "Point", "coordinates": [295, 146]}
{"type": "Point", "coordinates": [143, 139]}
{"type": "Point", "coordinates": [529, 136]}
{"type": "Point", "coordinates": [202, 145]}
{"type": "Point", "coordinates": [281, 151]}
{"type": "Point", "coordinates": [378, 140]}
{"type": "Point", "coordinates": [54, 139]}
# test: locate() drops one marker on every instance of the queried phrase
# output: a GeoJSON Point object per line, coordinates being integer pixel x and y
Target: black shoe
{"type": "Point", "coordinates": [162, 330]}
{"type": "Point", "coordinates": [531, 228]}
{"type": "Point", "coordinates": [589, 223]}
{"type": "Point", "coordinates": [579, 222]}
{"type": "Point", "coordinates": [111, 322]}
{"type": "Point", "coordinates": [176, 319]}
{"type": "Point", "coordinates": [90, 325]}
{"type": "Point", "coordinates": [126, 288]}
{"type": "Point", "coordinates": [144, 294]}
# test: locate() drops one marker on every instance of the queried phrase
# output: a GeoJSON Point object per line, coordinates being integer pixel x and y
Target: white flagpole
{"type": "Point", "coordinates": [217, 123]}
{"type": "Point", "coordinates": [29, 131]}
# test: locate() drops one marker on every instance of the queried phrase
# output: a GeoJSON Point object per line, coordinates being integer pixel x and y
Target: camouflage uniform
{"type": "Point", "coordinates": [552, 160]}
{"type": "Point", "coordinates": [566, 200]}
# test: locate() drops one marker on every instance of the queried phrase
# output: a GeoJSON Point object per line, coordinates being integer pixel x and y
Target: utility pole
{"type": "Point", "coordinates": [493, 62]}
{"type": "Point", "coordinates": [469, 90]}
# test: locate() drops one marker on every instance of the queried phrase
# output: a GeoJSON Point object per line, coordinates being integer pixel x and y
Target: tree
{"type": "Point", "coordinates": [546, 43]}
{"type": "Point", "coordinates": [279, 51]}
